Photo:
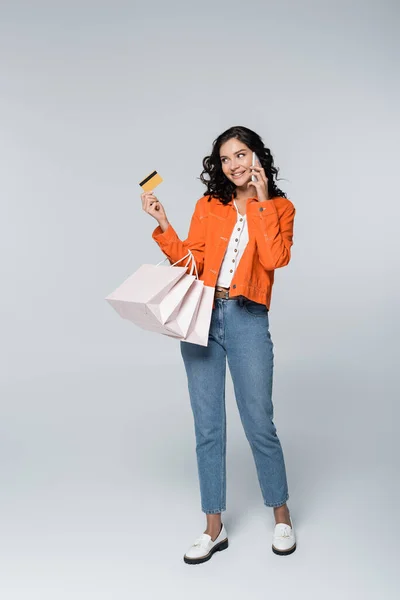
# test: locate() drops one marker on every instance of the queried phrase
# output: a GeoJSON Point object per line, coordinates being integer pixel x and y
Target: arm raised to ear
{"type": "Point", "coordinates": [272, 226]}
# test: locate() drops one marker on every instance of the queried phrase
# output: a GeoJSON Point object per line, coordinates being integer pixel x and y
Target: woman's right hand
{"type": "Point", "coordinates": [152, 206]}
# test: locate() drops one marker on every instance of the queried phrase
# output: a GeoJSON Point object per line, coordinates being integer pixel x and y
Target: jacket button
{"type": "Point", "coordinates": [234, 286]}
{"type": "Point", "coordinates": [261, 209]}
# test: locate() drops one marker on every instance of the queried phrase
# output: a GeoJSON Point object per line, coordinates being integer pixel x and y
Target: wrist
{"type": "Point", "coordinates": [164, 224]}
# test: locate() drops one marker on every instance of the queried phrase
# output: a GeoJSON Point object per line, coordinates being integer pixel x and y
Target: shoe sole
{"type": "Point", "coordinates": [218, 547]}
{"type": "Point", "coordinates": [284, 552]}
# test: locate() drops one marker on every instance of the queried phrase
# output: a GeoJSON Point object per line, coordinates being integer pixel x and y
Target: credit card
{"type": "Point", "coordinates": [151, 181]}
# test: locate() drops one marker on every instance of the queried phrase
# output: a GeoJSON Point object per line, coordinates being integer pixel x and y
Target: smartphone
{"type": "Point", "coordinates": [255, 157]}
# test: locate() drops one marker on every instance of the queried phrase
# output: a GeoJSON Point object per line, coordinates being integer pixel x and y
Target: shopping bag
{"type": "Point", "coordinates": [199, 313]}
{"type": "Point", "coordinates": [152, 295]}
{"type": "Point", "coordinates": [200, 325]}
{"type": "Point", "coordinates": [182, 318]}
{"type": "Point", "coordinates": [198, 330]}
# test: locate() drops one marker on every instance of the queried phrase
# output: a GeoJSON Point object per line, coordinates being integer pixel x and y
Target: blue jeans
{"type": "Point", "coordinates": [239, 332]}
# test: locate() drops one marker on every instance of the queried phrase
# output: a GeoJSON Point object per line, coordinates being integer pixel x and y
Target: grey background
{"type": "Point", "coordinates": [99, 491]}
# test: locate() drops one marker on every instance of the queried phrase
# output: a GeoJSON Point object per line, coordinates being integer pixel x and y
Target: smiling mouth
{"type": "Point", "coordinates": [238, 175]}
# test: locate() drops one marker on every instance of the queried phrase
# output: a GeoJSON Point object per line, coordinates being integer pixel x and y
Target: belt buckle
{"type": "Point", "coordinates": [225, 294]}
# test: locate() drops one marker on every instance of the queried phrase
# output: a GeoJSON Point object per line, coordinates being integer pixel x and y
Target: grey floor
{"type": "Point", "coordinates": [100, 494]}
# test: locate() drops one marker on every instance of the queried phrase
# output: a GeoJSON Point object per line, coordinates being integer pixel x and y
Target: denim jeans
{"type": "Point", "coordinates": [239, 333]}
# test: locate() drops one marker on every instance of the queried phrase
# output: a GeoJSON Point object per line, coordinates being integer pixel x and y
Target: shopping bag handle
{"type": "Point", "coordinates": [191, 258]}
{"type": "Point", "coordinates": [178, 261]}
{"type": "Point", "coordinates": [193, 265]}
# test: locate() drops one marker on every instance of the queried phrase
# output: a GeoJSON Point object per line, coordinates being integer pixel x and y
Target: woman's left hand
{"type": "Point", "coordinates": [262, 184]}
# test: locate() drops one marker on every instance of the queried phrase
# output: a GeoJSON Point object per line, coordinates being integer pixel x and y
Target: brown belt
{"type": "Point", "coordinates": [222, 293]}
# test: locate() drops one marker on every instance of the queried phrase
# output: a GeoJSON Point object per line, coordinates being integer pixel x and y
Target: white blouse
{"type": "Point", "coordinates": [234, 251]}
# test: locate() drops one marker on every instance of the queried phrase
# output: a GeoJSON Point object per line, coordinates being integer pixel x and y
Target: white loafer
{"type": "Point", "coordinates": [203, 547]}
{"type": "Point", "coordinates": [284, 539]}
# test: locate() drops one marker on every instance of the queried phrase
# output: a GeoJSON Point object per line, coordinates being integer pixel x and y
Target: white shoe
{"type": "Point", "coordinates": [284, 539]}
{"type": "Point", "coordinates": [203, 547]}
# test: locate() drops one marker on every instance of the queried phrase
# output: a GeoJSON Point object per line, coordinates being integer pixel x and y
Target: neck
{"type": "Point", "coordinates": [242, 197]}
{"type": "Point", "coordinates": [243, 193]}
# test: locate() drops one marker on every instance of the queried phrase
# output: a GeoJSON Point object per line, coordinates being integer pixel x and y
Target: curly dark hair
{"type": "Point", "coordinates": [218, 185]}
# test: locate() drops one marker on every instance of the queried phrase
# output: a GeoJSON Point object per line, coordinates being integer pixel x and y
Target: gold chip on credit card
{"type": "Point", "coordinates": [151, 181]}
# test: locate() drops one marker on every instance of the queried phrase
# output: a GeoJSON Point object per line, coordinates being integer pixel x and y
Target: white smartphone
{"type": "Point", "coordinates": [255, 157]}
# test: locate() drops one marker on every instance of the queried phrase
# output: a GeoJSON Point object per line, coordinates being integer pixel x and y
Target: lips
{"type": "Point", "coordinates": [238, 175]}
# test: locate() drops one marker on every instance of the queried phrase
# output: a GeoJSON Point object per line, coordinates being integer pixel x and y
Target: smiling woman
{"type": "Point", "coordinates": [241, 231]}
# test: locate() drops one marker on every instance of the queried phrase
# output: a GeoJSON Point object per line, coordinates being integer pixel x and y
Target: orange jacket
{"type": "Point", "coordinates": [270, 227]}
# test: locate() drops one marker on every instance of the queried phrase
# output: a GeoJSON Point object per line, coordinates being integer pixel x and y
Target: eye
{"type": "Point", "coordinates": [240, 154]}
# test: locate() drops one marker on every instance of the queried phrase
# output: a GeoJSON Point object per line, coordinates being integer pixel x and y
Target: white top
{"type": "Point", "coordinates": [234, 251]}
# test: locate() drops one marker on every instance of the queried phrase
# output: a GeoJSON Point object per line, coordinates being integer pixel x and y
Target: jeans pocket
{"type": "Point", "coordinates": [255, 308]}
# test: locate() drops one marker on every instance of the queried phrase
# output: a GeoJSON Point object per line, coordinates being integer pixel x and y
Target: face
{"type": "Point", "coordinates": [236, 160]}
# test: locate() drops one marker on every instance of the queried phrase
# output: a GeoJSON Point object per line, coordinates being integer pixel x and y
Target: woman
{"type": "Point", "coordinates": [241, 230]}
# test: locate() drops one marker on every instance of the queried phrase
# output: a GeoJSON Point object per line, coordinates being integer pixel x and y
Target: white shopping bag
{"type": "Point", "coordinates": [152, 295]}
{"type": "Point", "coordinates": [167, 300]}
{"type": "Point", "coordinates": [200, 326]}
{"type": "Point", "coordinates": [197, 307]}
{"type": "Point", "coordinates": [183, 316]}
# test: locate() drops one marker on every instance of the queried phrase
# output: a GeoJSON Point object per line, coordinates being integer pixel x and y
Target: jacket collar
{"type": "Point", "coordinates": [230, 203]}
{"type": "Point", "coordinates": [249, 201]}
